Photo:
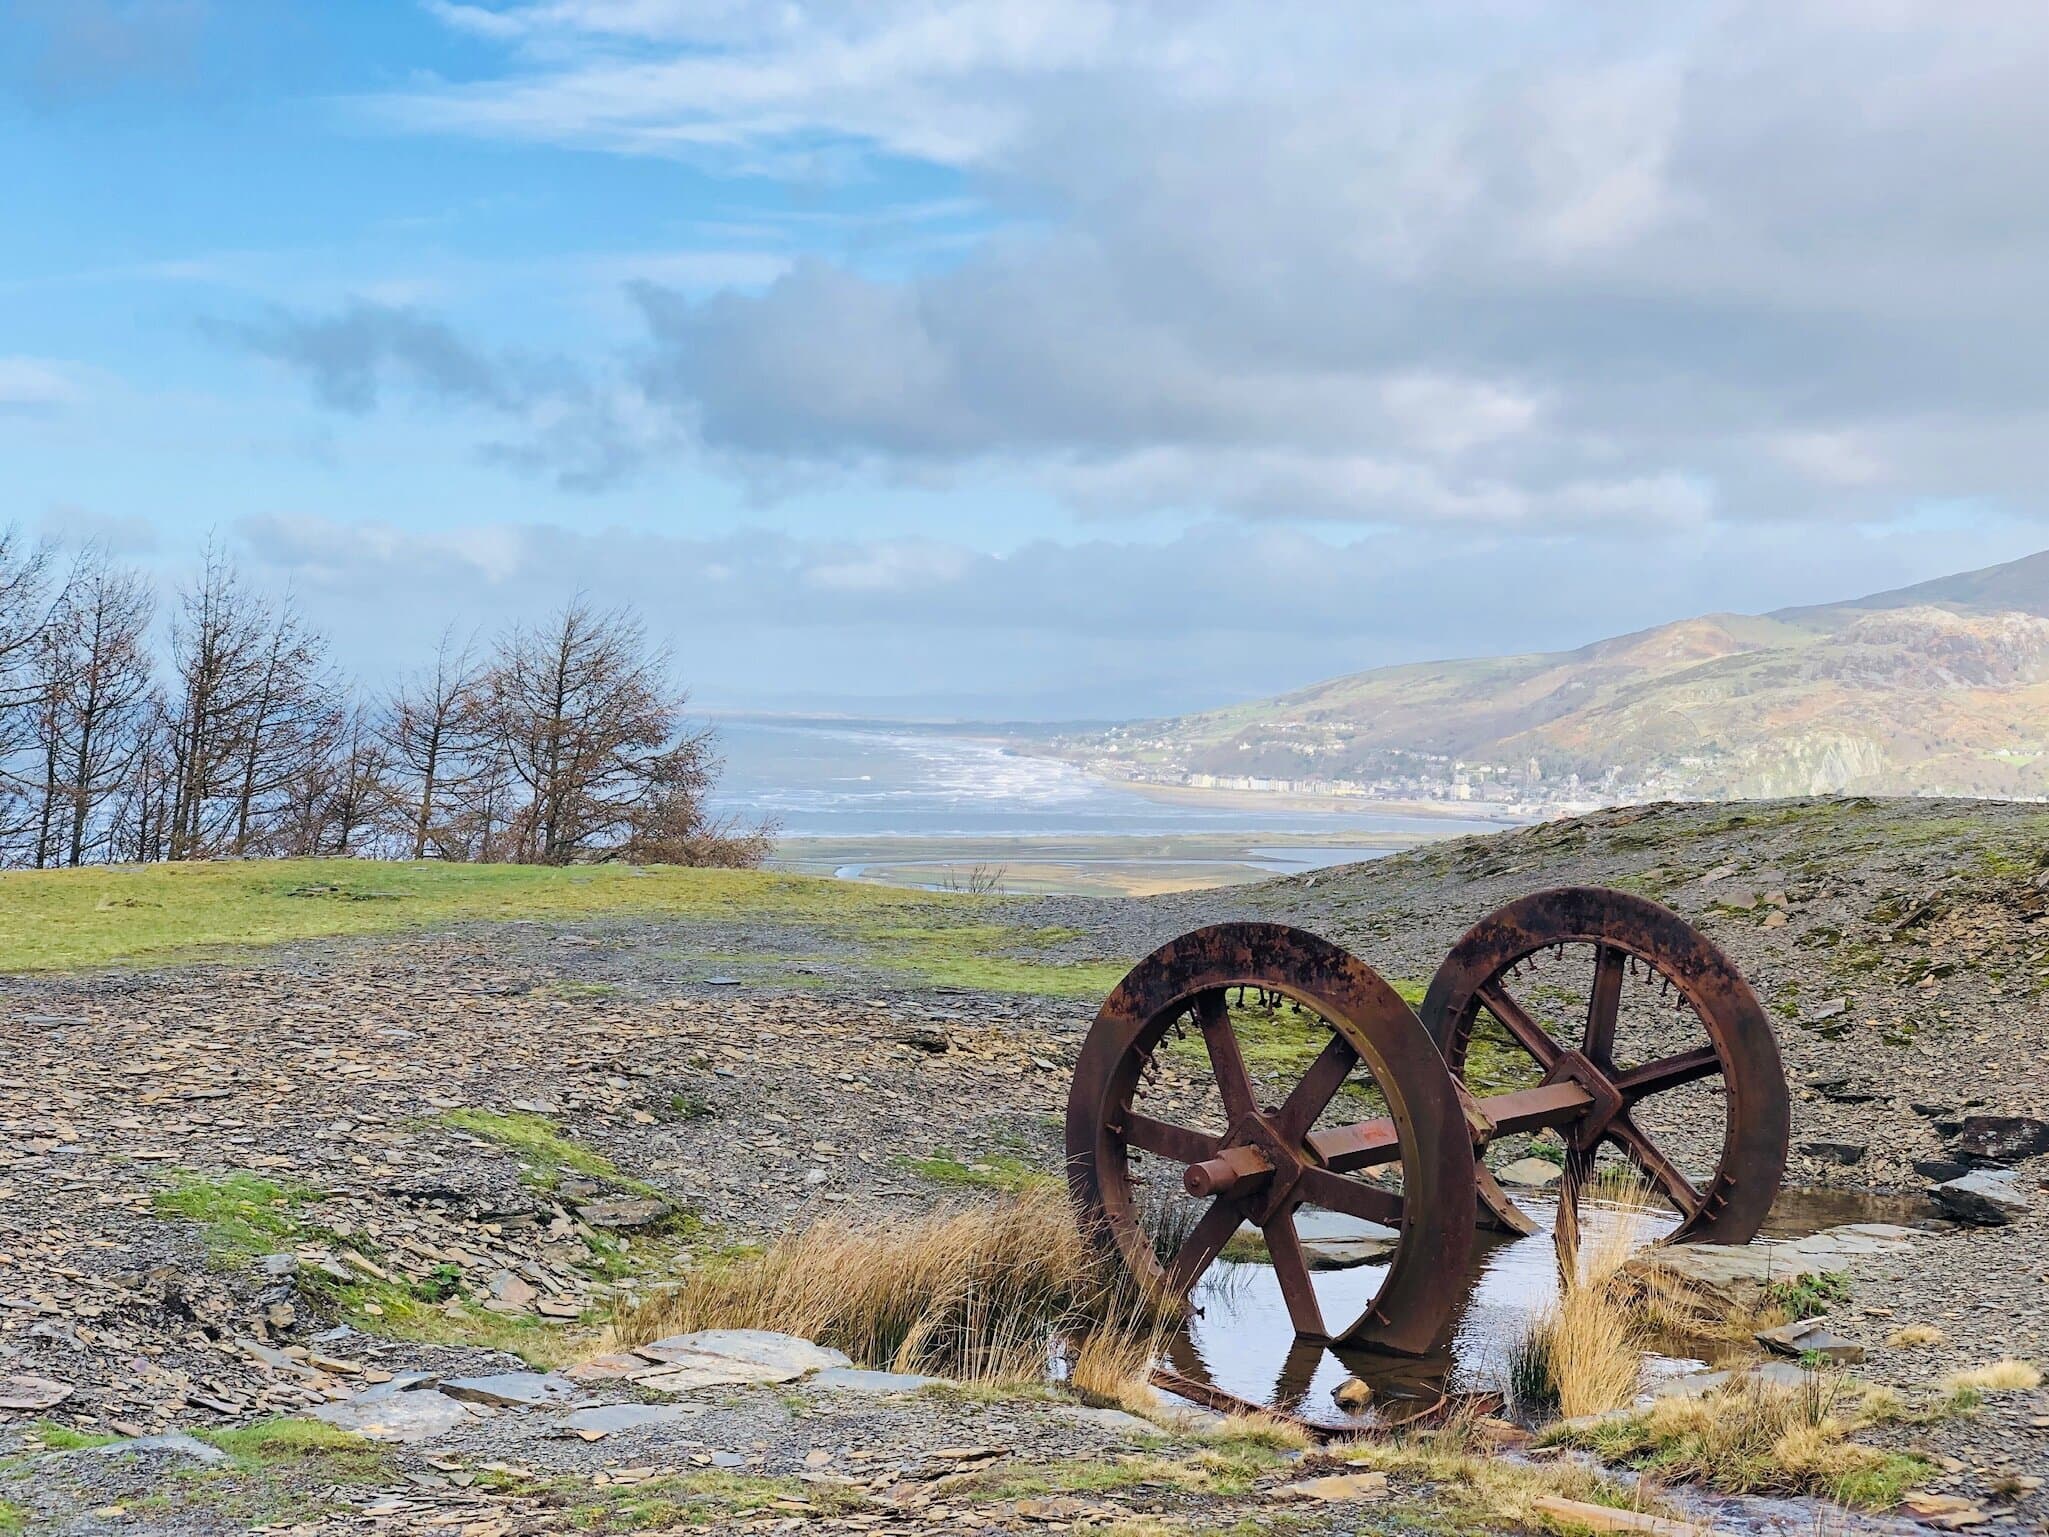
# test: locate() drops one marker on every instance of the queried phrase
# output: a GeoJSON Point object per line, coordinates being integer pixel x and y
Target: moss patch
{"type": "Point", "coordinates": [310, 1445]}
{"type": "Point", "coordinates": [999, 1171]}
{"type": "Point", "coordinates": [543, 1147]}
{"type": "Point", "coordinates": [242, 1215]}
{"type": "Point", "coordinates": [705, 1499]}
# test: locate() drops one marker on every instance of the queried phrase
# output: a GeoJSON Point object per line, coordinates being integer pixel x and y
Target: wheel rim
{"type": "Point", "coordinates": [1370, 1029]}
{"type": "Point", "coordinates": [1630, 940]}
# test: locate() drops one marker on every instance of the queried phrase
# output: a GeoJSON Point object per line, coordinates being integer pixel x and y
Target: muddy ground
{"type": "Point", "coordinates": [228, 1185]}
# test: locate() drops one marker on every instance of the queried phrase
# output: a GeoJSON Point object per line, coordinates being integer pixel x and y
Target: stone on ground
{"type": "Point", "coordinates": [603, 1419]}
{"type": "Point", "coordinates": [1983, 1198]}
{"type": "Point", "coordinates": [1530, 1173]}
{"type": "Point", "coordinates": [1337, 1488]}
{"type": "Point", "coordinates": [1810, 1337]}
{"type": "Point", "coordinates": [760, 1347]}
{"type": "Point", "coordinates": [415, 1416]}
{"type": "Point", "coordinates": [512, 1390]}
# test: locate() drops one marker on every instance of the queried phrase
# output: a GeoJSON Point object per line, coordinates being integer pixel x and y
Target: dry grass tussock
{"type": "Point", "coordinates": [1996, 1377]}
{"type": "Point", "coordinates": [1485, 1491]}
{"type": "Point", "coordinates": [1914, 1336]}
{"type": "Point", "coordinates": [972, 1292]}
{"type": "Point", "coordinates": [1584, 1354]}
{"type": "Point", "coordinates": [1761, 1437]}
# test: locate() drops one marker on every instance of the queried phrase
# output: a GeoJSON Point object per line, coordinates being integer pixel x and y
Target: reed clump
{"type": "Point", "coordinates": [1760, 1437]}
{"type": "Point", "coordinates": [2007, 1376]}
{"type": "Point", "coordinates": [1584, 1354]}
{"type": "Point", "coordinates": [975, 1292]}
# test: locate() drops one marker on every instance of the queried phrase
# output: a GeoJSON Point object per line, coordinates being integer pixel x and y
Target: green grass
{"type": "Point", "coordinates": [53, 920]}
{"type": "Point", "coordinates": [998, 1171]}
{"type": "Point", "coordinates": [242, 1215]}
{"type": "Point", "coordinates": [974, 955]}
{"type": "Point", "coordinates": [1807, 1296]}
{"type": "Point", "coordinates": [1227, 1469]}
{"type": "Point", "coordinates": [311, 1446]}
{"type": "Point", "coordinates": [702, 1500]}
{"type": "Point", "coordinates": [12, 1517]}
{"type": "Point", "coordinates": [63, 1438]}
{"type": "Point", "coordinates": [1766, 1441]}
{"type": "Point", "coordinates": [541, 1145]}
{"type": "Point", "coordinates": [277, 1470]}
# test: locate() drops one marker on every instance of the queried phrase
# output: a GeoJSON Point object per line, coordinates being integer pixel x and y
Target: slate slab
{"type": "Point", "coordinates": [2003, 1138]}
{"type": "Point", "coordinates": [173, 1443]}
{"type": "Point", "coordinates": [1983, 1198]}
{"type": "Point", "coordinates": [759, 1347]}
{"type": "Point", "coordinates": [404, 1417]}
{"type": "Point", "coordinates": [1127, 1426]}
{"type": "Point", "coordinates": [1810, 1337]}
{"type": "Point", "coordinates": [512, 1390]}
{"type": "Point", "coordinates": [1530, 1173]}
{"type": "Point", "coordinates": [606, 1418]}
{"type": "Point", "coordinates": [1333, 1241]}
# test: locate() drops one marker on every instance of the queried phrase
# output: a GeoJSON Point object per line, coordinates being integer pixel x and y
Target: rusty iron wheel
{"type": "Point", "coordinates": [1625, 936]}
{"type": "Point", "coordinates": [1271, 1159]}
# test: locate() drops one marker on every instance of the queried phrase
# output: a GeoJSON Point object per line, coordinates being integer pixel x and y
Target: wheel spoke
{"type": "Point", "coordinates": [1565, 1231]}
{"type": "Point", "coordinates": [1659, 1169]}
{"type": "Point", "coordinates": [1226, 1061]}
{"type": "Point", "coordinates": [1358, 1146]}
{"type": "Point", "coordinates": [1199, 1250]}
{"type": "Point", "coordinates": [1291, 1269]}
{"type": "Point", "coordinates": [1318, 1087]}
{"type": "Point", "coordinates": [1605, 1005]}
{"type": "Point", "coordinates": [1530, 1035]}
{"type": "Point", "coordinates": [1167, 1140]}
{"type": "Point", "coordinates": [1668, 1073]}
{"type": "Point", "coordinates": [1353, 1197]}
{"type": "Point", "coordinates": [1298, 1373]}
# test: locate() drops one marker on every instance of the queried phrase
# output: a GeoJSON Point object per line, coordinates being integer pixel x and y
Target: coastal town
{"type": "Point", "coordinates": [1284, 761]}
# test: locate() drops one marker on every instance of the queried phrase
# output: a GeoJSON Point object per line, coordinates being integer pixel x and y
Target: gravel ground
{"type": "Point", "coordinates": [1899, 946]}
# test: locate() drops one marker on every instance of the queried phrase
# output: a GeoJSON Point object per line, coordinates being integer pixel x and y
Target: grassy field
{"type": "Point", "coordinates": [68, 919]}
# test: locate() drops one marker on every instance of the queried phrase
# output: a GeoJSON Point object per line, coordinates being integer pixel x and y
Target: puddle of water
{"type": "Point", "coordinates": [1806, 1211]}
{"type": "Point", "coordinates": [1243, 1342]}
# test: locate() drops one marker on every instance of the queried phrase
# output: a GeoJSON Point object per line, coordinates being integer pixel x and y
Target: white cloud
{"type": "Point", "coordinates": [36, 385]}
{"type": "Point", "coordinates": [1831, 458]}
{"type": "Point", "coordinates": [1116, 625]}
{"type": "Point", "coordinates": [1494, 264]}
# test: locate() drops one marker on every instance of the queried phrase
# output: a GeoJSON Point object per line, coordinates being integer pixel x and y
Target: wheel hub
{"type": "Point", "coordinates": [1255, 1167]}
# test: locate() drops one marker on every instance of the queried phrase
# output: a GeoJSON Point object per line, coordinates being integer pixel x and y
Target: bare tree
{"type": "Point", "coordinates": [365, 791]}
{"type": "Point", "coordinates": [95, 668]}
{"type": "Point", "coordinates": [337, 797]}
{"type": "Point", "coordinates": [567, 744]}
{"type": "Point", "coordinates": [290, 722]}
{"type": "Point", "coordinates": [25, 612]}
{"type": "Point", "coordinates": [216, 654]}
{"type": "Point", "coordinates": [593, 732]}
{"type": "Point", "coordinates": [252, 704]}
{"type": "Point", "coordinates": [139, 817]}
{"type": "Point", "coordinates": [435, 727]}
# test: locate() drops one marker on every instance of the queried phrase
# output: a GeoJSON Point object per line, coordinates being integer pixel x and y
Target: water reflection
{"type": "Point", "coordinates": [1242, 1340]}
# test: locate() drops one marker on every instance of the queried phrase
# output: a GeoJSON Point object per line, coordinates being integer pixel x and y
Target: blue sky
{"type": "Point", "coordinates": [1064, 359]}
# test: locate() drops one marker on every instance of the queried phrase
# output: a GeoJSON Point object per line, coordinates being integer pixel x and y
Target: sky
{"type": "Point", "coordinates": [1056, 359]}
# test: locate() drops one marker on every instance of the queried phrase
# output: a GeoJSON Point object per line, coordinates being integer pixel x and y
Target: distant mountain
{"type": "Point", "coordinates": [1942, 687]}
